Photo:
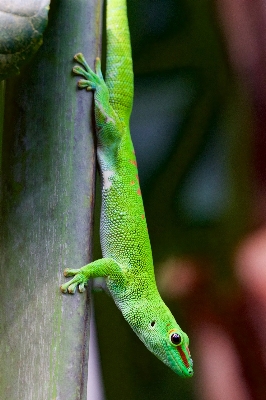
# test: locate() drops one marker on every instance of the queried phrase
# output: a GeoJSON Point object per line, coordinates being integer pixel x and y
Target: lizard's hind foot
{"type": "Point", "coordinates": [92, 79]}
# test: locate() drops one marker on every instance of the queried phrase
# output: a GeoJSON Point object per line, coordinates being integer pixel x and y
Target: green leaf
{"type": "Point", "coordinates": [22, 25]}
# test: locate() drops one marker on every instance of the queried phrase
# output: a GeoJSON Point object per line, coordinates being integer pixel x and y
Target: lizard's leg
{"type": "Point", "coordinates": [100, 268]}
{"type": "Point", "coordinates": [94, 81]}
{"type": "Point", "coordinates": [109, 125]}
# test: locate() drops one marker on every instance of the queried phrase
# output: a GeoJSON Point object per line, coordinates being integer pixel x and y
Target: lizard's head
{"type": "Point", "coordinates": [169, 343]}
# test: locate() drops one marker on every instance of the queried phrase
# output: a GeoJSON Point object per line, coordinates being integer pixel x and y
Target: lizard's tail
{"type": "Point", "coordinates": [119, 71]}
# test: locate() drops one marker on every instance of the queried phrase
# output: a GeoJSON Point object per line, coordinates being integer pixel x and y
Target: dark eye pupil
{"type": "Point", "coordinates": [175, 338]}
{"type": "Point", "coordinates": [152, 323]}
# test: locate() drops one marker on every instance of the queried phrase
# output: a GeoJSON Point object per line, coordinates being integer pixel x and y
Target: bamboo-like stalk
{"type": "Point", "coordinates": [48, 190]}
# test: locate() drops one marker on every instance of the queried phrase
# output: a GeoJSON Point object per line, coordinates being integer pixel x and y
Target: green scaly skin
{"type": "Point", "coordinates": [127, 263]}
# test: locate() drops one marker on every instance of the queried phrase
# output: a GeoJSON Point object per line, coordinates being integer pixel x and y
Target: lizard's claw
{"type": "Point", "coordinates": [79, 57]}
{"type": "Point", "coordinates": [82, 287]}
{"type": "Point", "coordinates": [78, 280]}
{"type": "Point", "coordinates": [82, 83]}
{"type": "Point", "coordinates": [71, 272]}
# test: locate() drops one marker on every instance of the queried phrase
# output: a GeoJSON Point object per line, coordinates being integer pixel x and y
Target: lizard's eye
{"type": "Point", "coordinates": [176, 339]}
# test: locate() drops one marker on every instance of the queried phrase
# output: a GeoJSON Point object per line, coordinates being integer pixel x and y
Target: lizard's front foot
{"type": "Point", "coordinates": [93, 80]}
{"type": "Point", "coordinates": [79, 280]}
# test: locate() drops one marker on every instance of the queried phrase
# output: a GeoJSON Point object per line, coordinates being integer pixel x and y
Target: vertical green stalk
{"type": "Point", "coordinates": [48, 172]}
{"type": "Point", "coordinates": [2, 108]}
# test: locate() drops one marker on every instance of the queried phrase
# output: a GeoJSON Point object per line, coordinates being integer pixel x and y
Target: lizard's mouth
{"type": "Point", "coordinates": [183, 356]}
{"type": "Point", "coordinates": [176, 366]}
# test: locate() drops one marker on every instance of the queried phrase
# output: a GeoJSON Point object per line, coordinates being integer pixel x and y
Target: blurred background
{"type": "Point", "coordinates": [198, 126]}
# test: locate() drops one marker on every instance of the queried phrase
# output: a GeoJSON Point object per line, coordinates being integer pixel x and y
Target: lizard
{"type": "Point", "coordinates": [127, 263]}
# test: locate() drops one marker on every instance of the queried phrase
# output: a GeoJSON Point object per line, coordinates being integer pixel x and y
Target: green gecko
{"type": "Point", "coordinates": [127, 263]}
